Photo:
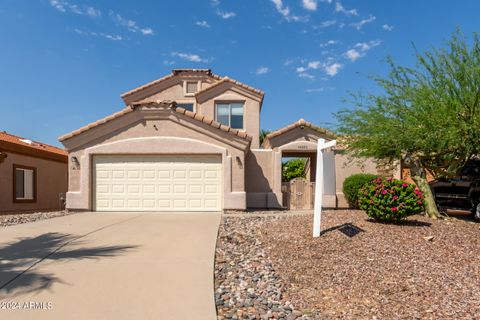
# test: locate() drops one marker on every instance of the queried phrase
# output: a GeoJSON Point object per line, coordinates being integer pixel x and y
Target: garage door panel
{"type": "Point", "coordinates": [157, 183]}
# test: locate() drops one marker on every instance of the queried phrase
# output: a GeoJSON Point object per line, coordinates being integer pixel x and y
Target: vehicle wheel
{"type": "Point", "coordinates": [476, 211]}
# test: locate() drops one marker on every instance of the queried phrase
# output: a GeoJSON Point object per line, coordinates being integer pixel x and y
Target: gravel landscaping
{"type": "Point", "coordinates": [359, 269]}
{"type": "Point", "coordinates": [246, 283]}
{"type": "Point", "coordinates": [18, 218]}
{"type": "Point", "coordinates": [271, 268]}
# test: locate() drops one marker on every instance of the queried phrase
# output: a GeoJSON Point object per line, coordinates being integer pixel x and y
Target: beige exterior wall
{"type": "Point", "coordinates": [173, 89]}
{"type": "Point", "coordinates": [51, 179]}
{"type": "Point", "coordinates": [147, 131]}
{"type": "Point", "coordinates": [260, 180]}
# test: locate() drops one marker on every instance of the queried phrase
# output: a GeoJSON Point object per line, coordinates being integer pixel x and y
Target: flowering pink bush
{"type": "Point", "coordinates": [390, 199]}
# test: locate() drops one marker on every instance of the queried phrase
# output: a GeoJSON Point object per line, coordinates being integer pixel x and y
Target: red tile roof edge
{"type": "Point", "coordinates": [172, 104]}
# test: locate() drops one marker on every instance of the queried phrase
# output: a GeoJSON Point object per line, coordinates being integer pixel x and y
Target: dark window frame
{"type": "Point", "coordinates": [14, 196]}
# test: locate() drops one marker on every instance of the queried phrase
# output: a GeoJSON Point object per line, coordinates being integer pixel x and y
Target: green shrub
{"type": "Point", "coordinates": [390, 199]}
{"type": "Point", "coordinates": [352, 186]}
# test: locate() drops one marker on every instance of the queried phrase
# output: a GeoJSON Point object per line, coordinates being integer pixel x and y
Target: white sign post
{"type": "Point", "coordinates": [317, 213]}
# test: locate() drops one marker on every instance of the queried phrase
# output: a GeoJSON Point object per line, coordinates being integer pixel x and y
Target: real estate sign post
{"type": "Point", "coordinates": [317, 213]}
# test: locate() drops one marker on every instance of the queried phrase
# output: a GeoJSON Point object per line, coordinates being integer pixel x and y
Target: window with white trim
{"type": "Point", "coordinates": [230, 114]}
{"type": "Point", "coordinates": [24, 183]}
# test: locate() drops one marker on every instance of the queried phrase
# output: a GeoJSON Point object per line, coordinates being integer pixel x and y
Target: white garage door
{"type": "Point", "coordinates": [157, 183]}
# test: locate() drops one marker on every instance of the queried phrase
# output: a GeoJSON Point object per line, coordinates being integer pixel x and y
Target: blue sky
{"type": "Point", "coordinates": [64, 64]}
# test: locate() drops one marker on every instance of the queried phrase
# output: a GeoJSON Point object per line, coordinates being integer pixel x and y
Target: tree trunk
{"type": "Point", "coordinates": [419, 175]}
{"type": "Point", "coordinates": [431, 209]}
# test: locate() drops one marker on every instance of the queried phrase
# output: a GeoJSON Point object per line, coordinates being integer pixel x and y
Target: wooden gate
{"type": "Point", "coordinates": [298, 194]}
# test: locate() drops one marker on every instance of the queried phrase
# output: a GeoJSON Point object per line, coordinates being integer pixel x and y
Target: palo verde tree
{"type": "Point", "coordinates": [427, 116]}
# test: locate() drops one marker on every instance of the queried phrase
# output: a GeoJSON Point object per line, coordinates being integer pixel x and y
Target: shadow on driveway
{"type": "Point", "coordinates": [18, 260]}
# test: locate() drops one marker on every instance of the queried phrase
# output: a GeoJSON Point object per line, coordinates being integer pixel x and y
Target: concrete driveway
{"type": "Point", "coordinates": [110, 266]}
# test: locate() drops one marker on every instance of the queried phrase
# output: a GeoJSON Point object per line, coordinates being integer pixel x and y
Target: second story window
{"type": "Point", "coordinates": [230, 114]}
{"type": "Point", "coordinates": [186, 106]}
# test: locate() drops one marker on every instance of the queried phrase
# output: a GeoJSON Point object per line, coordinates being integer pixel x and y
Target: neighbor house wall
{"type": "Point", "coordinates": [51, 181]}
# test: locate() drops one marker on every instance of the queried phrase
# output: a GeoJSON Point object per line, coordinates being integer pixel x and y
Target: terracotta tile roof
{"type": "Point", "coordinates": [33, 145]}
{"type": "Point", "coordinates": [213, 123]}
{"type": "Point", "coordinates": [168, 76]}
{"type": "Point", "coordinates": [299, 123]}
{"type": "Point", "coordinates": [227, 79]}
{"type": "Point", "coordinates": [205, 71]}
{"type": "Point", "coordinates": [96, 123]}
{"type": "Point", "coordinates": [172, 105]}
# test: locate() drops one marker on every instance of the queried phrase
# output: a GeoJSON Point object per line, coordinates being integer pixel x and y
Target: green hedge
{"type": "Point", "coordinates": [352, 186]}
{"type": "Point", "coordinates": [390, 200]}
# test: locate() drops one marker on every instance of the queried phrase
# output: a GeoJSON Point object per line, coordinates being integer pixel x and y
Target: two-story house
{"type": "Point", "coordinates": [186, 142]}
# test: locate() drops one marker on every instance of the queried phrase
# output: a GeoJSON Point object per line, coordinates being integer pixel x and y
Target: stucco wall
{"type": "Point", "coordinates": [197, 138]}
{"type": "Point", "coordinates": [173, 90]}
{"type": "Point", "coordinates": [260, 180]}
{"type": "Point", "coordinates": [51, 181]}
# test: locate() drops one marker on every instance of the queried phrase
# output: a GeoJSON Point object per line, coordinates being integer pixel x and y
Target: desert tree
{"type": "Point", "coordinates": [427, 116]}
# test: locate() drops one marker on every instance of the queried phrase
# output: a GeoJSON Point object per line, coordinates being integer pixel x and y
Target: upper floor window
{"type": "Point", "coordinates": [24, 184]}
{"type": "Point", "coordinates": [230, 114]}
{"type": "Point", "coordinates": [186, 106]}
{"type": "Point", "coordinates": [191, 87]}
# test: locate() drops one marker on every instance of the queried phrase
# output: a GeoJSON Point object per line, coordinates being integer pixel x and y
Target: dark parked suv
{"type": "Point", "coordinates": [460, 192]}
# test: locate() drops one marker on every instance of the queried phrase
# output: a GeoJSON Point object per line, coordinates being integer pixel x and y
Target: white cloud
{"type": "Point", "coordinates": [131, 25]}
{"type": "Point", "coordinates": [65, 6]}
{"type": "Point", "coordinates": [325, 24]}
{"type": "Point", "coordinates": [225, 15]}
{"type": "Point", "coordinates": [285, 11]}
{"type": "Point", "coordinates": [168, 62]}
{"type": "Point", "coordinates": [214, 2]}
{"type": "Point", "coordinates": [360, 49]}
{"type": "Point", "coordinates": [92, 12]}
{"type": "Point", "coordinates": [262, 70]}
{"type": "Point", "coordinates": [332, 69]}
{"type": "Point", "coordinates": [387, 27]}
{"type": "Point", "coordinates": [203, 24]}
{"type": "Point", "coordinates": [320, 89]}
{"type": "Point", "coordinates": [306, 75]}
{"type": "Point", "coordinates": [189, 57]}
{"type": "Point", "coordinates": [328, 43]}
{"type": "Point", "coordinates": [146, 31]}
{"type": "Point", "coordinates": [353, 55]}
{"type": "Point", "coordinates": [314, 65]}
{"type": "Point", "coordinates": [113, 37]}
{"type": "Point", "coordinates": [310, 5]}
{"type": "Point", "coordinates": [340, 8]}
{"type": "Point", "coordinates": [361, 23]}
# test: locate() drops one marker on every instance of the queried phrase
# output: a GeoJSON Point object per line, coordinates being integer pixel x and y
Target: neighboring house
{"type": "Point", "coordinates": [186, 142]}
{"type": "Point", "coordinates": [33, 175]}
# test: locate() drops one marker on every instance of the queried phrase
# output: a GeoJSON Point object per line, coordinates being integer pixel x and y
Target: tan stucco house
{"type": "Point", "coordinates": [188, 141]}
{"type": "Point", "coordinates": [33, 175]}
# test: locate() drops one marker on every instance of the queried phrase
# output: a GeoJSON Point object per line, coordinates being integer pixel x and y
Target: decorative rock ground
{"type": "Point", "coordinates": [18, 218]}
{"type": "Point", "coordinates": [246, 284]}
